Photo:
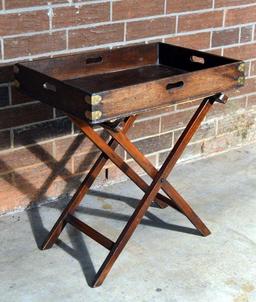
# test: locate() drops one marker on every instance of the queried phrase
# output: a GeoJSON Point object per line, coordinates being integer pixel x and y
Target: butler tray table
{"type": "Point", "coordinates": [111, 88]}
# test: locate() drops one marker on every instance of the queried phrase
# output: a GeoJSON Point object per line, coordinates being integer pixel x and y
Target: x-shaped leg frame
{"type": "Point", "coordinates": [151, 191]}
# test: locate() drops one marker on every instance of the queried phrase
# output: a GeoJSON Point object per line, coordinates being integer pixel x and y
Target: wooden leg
{"type": "Point", "coordinates": [151, 191]}
{"type": "Point", "coordinates": [82, 190]}
{"type": "Point", "coordinates": [155, 186]}
{"type": "Point", "coordinates": [145, 164]}
{"type": "Point", "coordinates": [92, 175]}
{"type": "Point", "coordinates": [116, 159]}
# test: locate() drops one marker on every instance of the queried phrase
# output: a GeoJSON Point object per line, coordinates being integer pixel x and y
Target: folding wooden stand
{"type": "Point", "coordinates": [95, 88]}
{"type": "Point", "coordinates": [159, 181]}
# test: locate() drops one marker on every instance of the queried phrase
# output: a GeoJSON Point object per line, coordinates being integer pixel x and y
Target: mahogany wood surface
{"type": "Point", "coordinates": [112, 84]}
{"type": "Point", "coordinates": [97, 87]}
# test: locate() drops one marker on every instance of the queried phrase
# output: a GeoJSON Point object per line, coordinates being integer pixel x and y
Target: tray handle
{"type": "Point", "coordinates": [175, 85]}
{"type": "Point", "coordinates": [94, 60]}
{"type": "Point", "coordinates": [197, 59]}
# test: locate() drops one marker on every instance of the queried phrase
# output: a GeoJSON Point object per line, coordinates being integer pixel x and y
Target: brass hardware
{"type": "Point", "coordinates": [222, 98]}
{"type": "Point", "coordinates": [93, 100]}
{"type": "Point", "coordinates": [16, 69]}
{"type": "Point", "coordinates": [16, 84]}
{"type": "Point", "coordinates": [241, 81]}
{"type": "Point", "coordinates": [93, 115]}
{"type": "Point", "coordinates": [241, 67]}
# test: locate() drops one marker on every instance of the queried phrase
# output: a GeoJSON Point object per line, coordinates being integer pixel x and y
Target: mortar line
{"type": "Point", "coordinates": [90, 26]}
{"type": "Point", "coordinates": [239, 34]}
{"type": "Point", "coordinates": [84, 3]}
{"type": "Point", "coordinates": [165, 7]}
{"type": "Point", "coordinates": [111, 10]}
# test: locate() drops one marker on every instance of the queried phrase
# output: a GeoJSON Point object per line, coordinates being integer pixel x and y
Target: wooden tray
{"type": "Point", "coordinates": [110, 84]}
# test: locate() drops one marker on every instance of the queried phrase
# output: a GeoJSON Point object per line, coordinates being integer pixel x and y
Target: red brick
{"type": "Point", "coordinates": [243, 52]}
{"type": "Point", "coordinates": [35, 44]}
{"type": "Point", "coordinates": [150, 28]}
{"type": "Point", "coordinates": [176, 120]}
{"type": "Point", "coordinates": [253, 68]}
{"type": "Point", "coordinates": [224, 3]}
{"type": "Point", "coordinates": [39, 132]}
{"type": "Point", "coordinates": [80, 15]}
{"type": "Point", "coordinates": [217, 51]}
{"type": "Point", "coordinates": [249, 87]}
{"type": "Point", "coordinates": [23, 157]}
{"type": "Point", "coordinates": [40, 178]}
{"type": "Point", "coordinates": [92, 36]}
{"type": "Point", "coordinates": [225, 37]}
{"type": "Point", "coordinates": [84, 161]}
{"type": "Point", "coordinates": [232, 106]}
{"type": "Point", "coordinates": [155, 143]}
{"type": "Point", "coordinates": [116, 175]}
{"type": "Point", "coordinates": [242, 123]}
{"type": "Point", "coordinates": [240, 16]}
{"type": "Point", "coordinates": [24, 22]}
{"type": "Point", "coordinates": [191, 151]}
{"type": "Point", "coordinates": [68, 185]}
{"type": "Point", "coordinates": [26, 114]}
{"type": "Point", "coordinates": [137, 8]}
{"type": "Point", "coordinates": [246, 34]}
{"type": "Point", "coordinates": [10, 196]}
{"type": "Point", "coordinates": [29, 186]}
{"type": "Point", "coordinates": [206, 130]}
{"type": "Point", "coordinates": [144, 128]}
{"type": "Point", "coordinates": [185, 6]}
{"type": "Point", "coordinates": [225, 142]}
{"type": "Point", "coordinates": [196, 41]}
{"type": "Point", "coordinates": [11, 4]}
{"type": "Point", "coordinates": [200, 21]}
{"type": "Point", "coordinates": [73, 145]}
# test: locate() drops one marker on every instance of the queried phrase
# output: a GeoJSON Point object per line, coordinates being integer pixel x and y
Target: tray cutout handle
{"type": "Point", "coordinates": [197, 59]}
{"type": "Point", "coordinates": [49, 86]}
{"type": "Point", "coordinates": [175, 85]}
{"type": "Point", "coordinates": [94, 60]}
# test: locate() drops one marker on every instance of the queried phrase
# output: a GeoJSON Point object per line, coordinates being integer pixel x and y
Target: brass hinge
{"type": "Point", "coordinates": [93, 115]}
{"type": "Point", "coordinates": [241, 80]}
{"type": "Point", "coordinates": [241, 67]}
{"type": "Point", "coordinates": [93, 100]}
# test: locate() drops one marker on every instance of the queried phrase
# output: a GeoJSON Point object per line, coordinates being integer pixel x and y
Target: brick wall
{"type": "Point", "coordinates": [43, 156]}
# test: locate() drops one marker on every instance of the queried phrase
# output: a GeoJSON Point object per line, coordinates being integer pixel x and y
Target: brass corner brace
{"type": "Point", "coordinates": [93, 115]}
{"type": "Point", "coordinates": [93, 100]}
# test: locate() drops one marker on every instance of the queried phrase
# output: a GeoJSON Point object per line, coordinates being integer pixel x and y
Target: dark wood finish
{"type": "Point", "coordinates": [92, 233]}
{"type": "Point", "coordinates": [155, 186]}
{"type": "Point", "coordinates": [84, 64]}
{"type": "Point", "coordinates": [147, 166]}
{"type": "Point", "coordinates": [52, 92]}
{"type": "Point", "coordinates": [112, 84]}
{"type": "Point", "coordinates": [151, 192]}
{"type": "Point", "coordinates": [85, 186]}
{"type": "Point", "coordinates": [82, 191]}
{"type": "Point", "coordinates": [117, 160]}
{"type": "Point", "coordinates": [96, 87]}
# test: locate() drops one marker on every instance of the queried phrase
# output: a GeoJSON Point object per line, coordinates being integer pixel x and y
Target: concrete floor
{"type": "Point", "coordinates": [165, 260]}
